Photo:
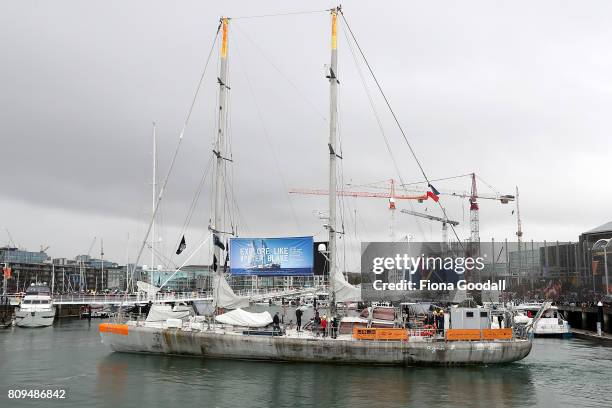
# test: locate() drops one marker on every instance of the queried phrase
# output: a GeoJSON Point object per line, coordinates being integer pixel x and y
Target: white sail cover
{"type": "Point", "coordinates": [243, 318]}
{"type": "Point", "coordinates": [224, 296]}
{"type": "Point", "coordinates": [345, 292]}
{"type": "Point", "coordinates": [161, 313]}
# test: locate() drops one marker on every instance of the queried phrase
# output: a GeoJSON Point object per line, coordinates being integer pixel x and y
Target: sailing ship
{"type": "Point", "coordinates": [258, 261]}
{"type": "Point", "coordinates": [242, 335]}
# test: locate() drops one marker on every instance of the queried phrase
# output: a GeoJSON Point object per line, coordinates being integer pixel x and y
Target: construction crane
{"type": "Point", "coordinates": [444, 221]}
{"type": "Point", "coordinates": [82, 265]}
{"type": "Point", "coordinates": [473, 198]}
{"type": "Point", "coordinates": [474, 216]}
{"type": "Point", "coordinates": [519, 231]}
{"type": "Point", "coordinates": [10, 237]}
{"type": "Point", "coordinates": [391, 195]}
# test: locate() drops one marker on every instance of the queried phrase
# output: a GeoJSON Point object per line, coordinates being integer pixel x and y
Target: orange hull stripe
{"type": "Point", "coordinates": [121, 329]}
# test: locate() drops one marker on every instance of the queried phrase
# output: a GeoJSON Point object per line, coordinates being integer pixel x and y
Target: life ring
{"type": "Point", "coordinates": [428, 330]}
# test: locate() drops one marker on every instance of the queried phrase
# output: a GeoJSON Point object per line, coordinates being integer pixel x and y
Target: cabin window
{"type": "Point", "coordinates": [27, 302]}
{"type": "Point", "coordinates": [469, 314]}
{"type": "Point", "coordinates": [484, 314]}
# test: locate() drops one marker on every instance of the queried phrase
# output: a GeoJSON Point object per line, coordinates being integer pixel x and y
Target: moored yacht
{"type": "Point", "coordinates": [551, 323]}
{"type": "Point", "coordinates": [36, 308]}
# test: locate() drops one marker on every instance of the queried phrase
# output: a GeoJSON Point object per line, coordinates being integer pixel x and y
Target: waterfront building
{"type": "Point", "coordinates": [14, 255]}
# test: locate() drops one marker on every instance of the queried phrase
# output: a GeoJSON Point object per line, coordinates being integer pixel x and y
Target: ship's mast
{"type": "Point", "coordinates": [219, 148]}
{"type": "Point", "coordinates": [333, 127]}
{"type": "Point", "coordinates": [153, 199]}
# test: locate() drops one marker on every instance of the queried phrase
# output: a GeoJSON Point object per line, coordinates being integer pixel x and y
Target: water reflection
{"type": "Point", "coordinates": [251, 383]}
{"type": "Point", "coordinates": [69, 355]}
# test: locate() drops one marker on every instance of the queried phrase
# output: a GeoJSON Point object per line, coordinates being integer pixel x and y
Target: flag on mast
{"type": "Point", "coordinates": [181, 246]}
{"type": "Point", "coordinates": [218, 242]}
{"type": "Point", "coordinates": [433, 193]}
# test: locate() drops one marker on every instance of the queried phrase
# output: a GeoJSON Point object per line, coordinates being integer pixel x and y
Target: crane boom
{"type": "Point", "coordinates": [349, 193]}
{"type": "Point", "coordinates": [93, 242]}
{"type": "Point", "coordinates": [431, 217]}
{"type": "Point", "coordinates": [504, 199]}
{"type": "Point", "coordinates": [390, 194]}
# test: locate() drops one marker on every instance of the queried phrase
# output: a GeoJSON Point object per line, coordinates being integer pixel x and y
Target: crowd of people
{"type": "Point", "coordinates": [581, 297]}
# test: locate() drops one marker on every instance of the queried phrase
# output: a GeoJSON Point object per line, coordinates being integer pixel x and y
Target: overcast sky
{"type": "Point", "coordinates": [518, 92]}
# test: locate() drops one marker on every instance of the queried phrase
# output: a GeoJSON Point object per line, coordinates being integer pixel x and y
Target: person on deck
{"type": "Point", "coordinates": [298, 317]}
{"type": "Point", "coordinates": [276, 322]}
{"type": "Point", "coordinates": [317, 323]}
{"type": "Point", "coordinates": [440, 322]}
{"type": "Point", "coordinates": [334, 324]}
{"type": "Point", "coordinates": [324, 325]}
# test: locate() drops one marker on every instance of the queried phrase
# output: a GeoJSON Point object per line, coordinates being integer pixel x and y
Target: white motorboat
{"type": "Point", "coordinates": [551, 323]}
{"type": "Point", "coordinates": [36, 308]}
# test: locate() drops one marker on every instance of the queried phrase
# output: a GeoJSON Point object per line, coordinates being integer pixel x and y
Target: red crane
{"type": "Point", "coordinates": [391, 195]}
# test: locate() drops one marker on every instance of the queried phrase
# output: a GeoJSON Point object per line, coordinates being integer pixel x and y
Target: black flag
{"type": "Point", "coordinates": [218, 242]}
{"type": "Point", "coordinates": [181, 246]}
{"type": "Point", "coordinates": [214, 265]}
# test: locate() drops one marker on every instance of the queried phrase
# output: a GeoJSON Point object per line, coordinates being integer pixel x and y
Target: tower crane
{"type": "Point", "coordinates": [444, 221]}
{"type": "Point", "coordinates": [82, 272]}
{"type": "Point", "coordinates": [519, 231]}
{"type": "Point", "coordinates": [473, 198]}
{"type": "Point", "coordinates": [10, 237]}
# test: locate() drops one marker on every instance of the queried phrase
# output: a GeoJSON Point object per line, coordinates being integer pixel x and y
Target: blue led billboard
{"type": "Point", "coordinates": [292, 256]}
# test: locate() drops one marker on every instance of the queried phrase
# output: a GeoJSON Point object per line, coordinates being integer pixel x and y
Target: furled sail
{"type": "Point", "coordinates": [345, 292]}
{"type": "Point", "coordinates": [161, 313]}
{"type": "Point", "coordinates": [224, 296]}
{"type": "Point", "coordinates": [241, 317]}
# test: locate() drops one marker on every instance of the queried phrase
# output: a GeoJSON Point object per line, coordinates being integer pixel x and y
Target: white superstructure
{"type": "Point", "coordinates": [36, 308]}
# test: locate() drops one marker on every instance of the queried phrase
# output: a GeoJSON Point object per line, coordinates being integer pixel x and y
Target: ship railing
{"type": "Point", "coordinates": [431, 333]}
{"type": "Point", "coordinates": [93, 299]}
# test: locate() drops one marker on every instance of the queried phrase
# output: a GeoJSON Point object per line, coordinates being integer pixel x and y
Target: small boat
{"type": "Point", "coordinates": [36, 308]}
{"type": "Point", "coordinates": [95, 311]}
{"type": "Point", "coordinates": [551, 323]}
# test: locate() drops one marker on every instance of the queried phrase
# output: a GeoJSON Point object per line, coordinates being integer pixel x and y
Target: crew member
{"type": "Point", "coordinates": [298, 317]}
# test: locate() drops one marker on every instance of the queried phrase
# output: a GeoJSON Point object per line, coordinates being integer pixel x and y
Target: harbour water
{"type": "Point", "coordinates": [69, 356]}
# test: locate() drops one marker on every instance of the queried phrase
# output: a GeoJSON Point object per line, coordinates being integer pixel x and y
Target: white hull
{"type": "Point", "coordinates": [551, 327]}
{"type": "Point", "coordinates": [138, 339]}
{"type": "Point", "coordinates": [38, 318]}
